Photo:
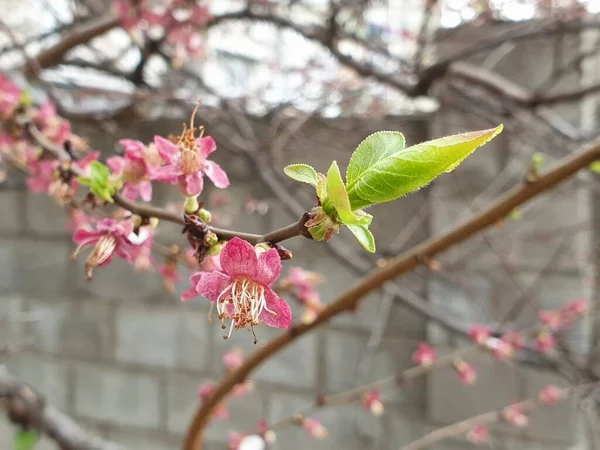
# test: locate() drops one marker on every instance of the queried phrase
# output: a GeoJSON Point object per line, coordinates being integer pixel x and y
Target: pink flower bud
{"type": "Point", "coordinates": [479, 334]}
{"type": "Point", "coordinates": [552, 319]}
{"type": "Point", "coordinates": [544, 341]}
{"type": "Point", "coordinates": [515, 415]}
{"type": "Point", "coordinates": [372, 401]}
{"type": "Point", "coordinates": [550, 395]}
{"type": "Point", "coordinates": [234, 440]}
{"type": "Point", "coordinates": [577, 307]}
{"type": "Point", "coordinates": [478, 434]}
{"type": "Point", "coordinates": [233, 359]}
{"type": "Point", "coordinates": [467, 374]}
{"type": "Point", "coordinates": [425, 355]}
{"type": "Point", "coordinates": [315, 429]}
{"type": "Point", "coordinates": [503, 350]}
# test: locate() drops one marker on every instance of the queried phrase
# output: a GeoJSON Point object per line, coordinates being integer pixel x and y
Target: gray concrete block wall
{"type": "Point", "coordinates": [125, 358]}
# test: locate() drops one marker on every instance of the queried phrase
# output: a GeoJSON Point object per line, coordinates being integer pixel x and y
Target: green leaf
{"type": "Point", "coordinates": [364, 236]}
{"type": "Point", "coordinates": [393, 171]}
{"type": "Point", "coordinates": [25, 440]}
{"type": "Point", "coordinates": [336, 192]}
{"type": "Point", "coordinates": [302, 173]}
{"type": "Point", "coordinates": [321, 186]}
{"type": "Point", "coordinates": [372, 150]}
{"type": "Point", "coordinates": [595, 166]}
{"type": "Point", "coordinates": [99, 183]}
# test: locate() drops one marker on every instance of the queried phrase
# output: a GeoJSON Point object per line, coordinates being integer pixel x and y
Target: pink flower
{"type": "Point", "coordinates": [425, 355]}
{"type": "Point", "coordinates": [515, 339]}
{"type": "Point", "coordinates": [544, 341]}
{"type": "Point", "coordinates": [186, 162]}
{"type": "Point", "coordinates": [206, 391]}
{"type": "Point", "coordinates": [242, 288]}
{"type": "Point", "coordinates": [264, 430]}
{"type": "Point", "coordinates": [467, 374]}
{"type": "Point", "coordinates": [552, 319]}
{"type": "Point", "coordinates": [79, 220]}
{"type": "Point", "coordinates": [550, 395]}
{"type": "Point", "coordinates": [515, 415]}
{"type": "Point", "coordinates": [42, 173]}
{"type": "Point", "coordinates": [503, 349]}
{"type": "Point", "coordinates": [170, 276]}
{"type": "Point", "coordinates": [135, 169]}
{"type": "Point", "coordinates": [109, 238]}
{"type": "Point", "coordinates": [578, 307]}
{"type": "Point", "coordinates": [10, 95]}
{"type": "Point", "coordinates": [314, 428]}
{"type": "Point", "coordinates": [372, 401]}
{"type": "Point", "coordinates": [51, 124]}
{"type": "Point", "coordinates": [233, 359]}
{"type": "Point", "coordinates": [478, 434]}
{"type": "Point", "coordinates": [127, 14]}
{"type": "Point", "coordinates": [241, 389]}
{"type": "Point", "coordinates": [479, 334]}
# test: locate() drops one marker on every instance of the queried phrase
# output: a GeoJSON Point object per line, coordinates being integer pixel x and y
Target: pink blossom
{"type": "Point", "coordinates": [552, 319]}
{"type": "Point", "coordinates": [550, 394]}
{"type": "Point", "coordinates": [479, 334]}
{"type": "Point", "coordinates": [170, 276]}
{"type": "Point", "coordinates": [141, 250]}
{"type": "Point", "coordinates": [515, 415]}
{"type": "Point", "coordinates": [206, 391]}
{"type": "Point", "coordinates": [503, 349]}
{"type": "Point", "coordinates": [109, 238]}
{"type": "Point", "coordinates": [478, 434]}
{"type": "Point", "coordinates": [79, 220]}
{"type": "Point", "coordinates": [186, 162]}
{"type": "Point", "coordinates": [135, 169]}
{"type": "Point", "coordinates": [42, 173]}
{"type": "Point", "coordinates": [315, 429]}
{"type": "Point", "coordinates": [264, 430]}
{"type": "Point", "coordinates": [515, 339]}
{"type": "Point", "coordinates": [425, 355]}
{"type": "Point", "coordinates": [127, 14]}
{"type": "Point", "coordinates": [241, 389]}
{"type": "Point", "coordinates": [544, 341]}
{"type": "Point", "coordinates": [467, 374]}
{"type": "Point", "coordinates": [10, 95]}
{"type": "Point", "coordinates": [233, 359]}
{"type": "Point", "coordinates": [372, 401]}
{"type": "Point", "coordinates": [242, 288]}
{"type": "Point", "coordinates": [51, 124]}
{"type": "Point", "coordinates": [577, 307]}
{"type": "Point", "coordinates": [211, 263]}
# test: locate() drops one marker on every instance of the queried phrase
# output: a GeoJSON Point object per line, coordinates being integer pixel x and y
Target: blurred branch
{"type": "Point", "coordinates": [397, 266]}
{"type": "Point", "coordinates": [29, 410]}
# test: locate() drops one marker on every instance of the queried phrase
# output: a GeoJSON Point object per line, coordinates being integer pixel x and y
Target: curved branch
{"type": "Point", "coordinates": [397, 266]}
{"type": "Point", "coordinates": [29, 410]}
{"type": "Point", "coordinates": [79, 35]}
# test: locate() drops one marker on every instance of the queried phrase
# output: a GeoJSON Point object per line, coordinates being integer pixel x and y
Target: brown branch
{"type": "Point", "coordinates": [397, 266]}
{"type": "Point", "coordinates": [29, 410]}
{"type": "Point", "coordinates": [482, 419]}
{"type": "Point", "coordinates": [79, 35]}
{"type": "Point", "coordinates": [145, 210]}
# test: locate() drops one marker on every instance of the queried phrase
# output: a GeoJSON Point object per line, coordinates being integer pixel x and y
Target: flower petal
{"type": "Point", "coordinates": [116, 164]}
{"type": "Point", "coordinates": [145, 188]}
{"type": "Point", "coordinates": [191, 292]}
{"type": "Point", "coordinates": [212, 284]}
{"type": "Point", "coordinates": [83, 236]}
{"type": "Point", "coordinates": [168, 174]}
{"type": "Point", "coordinates": [207, 145]}
{"type": "Point", "coordinates": [166, 149]}
{"type": "Point", "coordinates": [191, 184]}
{"type": "Point", "coordinates": [239, 258]}
{"type": "Point", "coordinates": [278, 306]}
{"type": "Point", "coordinates": [216, 174]}
{"type": "Point", "coordinates": [268, 268]}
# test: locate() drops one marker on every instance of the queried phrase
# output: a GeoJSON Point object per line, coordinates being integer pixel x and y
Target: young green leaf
{"type": "Point", "coordinates": [98, 181]}
{"type": "Point", "coordinates": [372, 150]}
{"type": "Point", "coordinates": [302, 173]}
{"type": "Point", "coordinates": [25, 440]}
{"type": "Point", "coordinates": [393, 171]}
{"type": "Point", "coordinates": [595, 166]}
{"type": "Point", "coordinates": [336, 191]}
{"type": "Point", "coordinates": [364, 236]}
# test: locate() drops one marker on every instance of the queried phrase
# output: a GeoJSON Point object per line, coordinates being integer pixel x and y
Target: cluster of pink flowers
{"type": "Point", "coordinates": [301, 284]}
{"type": "Point", "coordinates": [180, 20]}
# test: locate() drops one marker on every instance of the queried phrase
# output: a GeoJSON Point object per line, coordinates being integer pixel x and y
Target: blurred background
{"type": "Point", "coordinates": [306, 81]}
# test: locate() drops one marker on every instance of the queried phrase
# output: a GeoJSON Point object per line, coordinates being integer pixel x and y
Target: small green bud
{"type": "Point", "coordinates": [211, 239]}
{"type": "Point", "coordinates": [205, 215]}
{"type": "Point", "coordinates": [215, 250]}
